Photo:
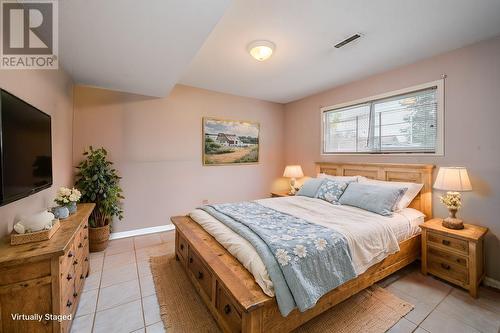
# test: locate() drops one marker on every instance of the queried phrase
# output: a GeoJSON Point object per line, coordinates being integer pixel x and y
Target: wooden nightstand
{"type": "Point", "coordinates": [456, 256]}
{"type": "Point", "coordinates": [278, 194]}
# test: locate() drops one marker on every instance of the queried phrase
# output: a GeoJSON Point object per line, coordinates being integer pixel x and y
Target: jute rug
{"type": "Point", "coordinates": [182, 310]}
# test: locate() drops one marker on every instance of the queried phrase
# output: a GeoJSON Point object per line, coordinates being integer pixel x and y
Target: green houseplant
{"type": "Point", "coordinates": [99, 182]}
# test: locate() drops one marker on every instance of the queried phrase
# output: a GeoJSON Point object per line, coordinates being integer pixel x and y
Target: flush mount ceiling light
{"type": "Point", "coordinates": [261, 49]}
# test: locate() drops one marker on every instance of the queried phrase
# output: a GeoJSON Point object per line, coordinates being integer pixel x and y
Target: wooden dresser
{"type": "Point", "coordinates": [45, 277]}
{"type": "Point", "coordinates": [454, 255]}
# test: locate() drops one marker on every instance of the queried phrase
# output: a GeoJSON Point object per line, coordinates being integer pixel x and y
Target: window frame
{"type": "Point", "coordinates": [439, 151]}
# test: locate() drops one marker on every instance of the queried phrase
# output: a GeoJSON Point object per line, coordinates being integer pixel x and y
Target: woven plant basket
{"type": "Point", "coordinates": [98, 238]}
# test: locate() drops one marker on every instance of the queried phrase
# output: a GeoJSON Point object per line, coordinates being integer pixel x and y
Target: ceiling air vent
{"type": "Point", "coordinates": [347, 41]}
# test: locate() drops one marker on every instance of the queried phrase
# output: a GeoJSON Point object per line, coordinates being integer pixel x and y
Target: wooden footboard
{"type": "Point", "coordinates": [237, 302]}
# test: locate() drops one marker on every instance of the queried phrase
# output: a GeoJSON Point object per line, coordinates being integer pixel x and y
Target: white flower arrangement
{"type": "Point", "coordinates": [65, 196]}
{"type": "Point", "coordinates": [452, 200]}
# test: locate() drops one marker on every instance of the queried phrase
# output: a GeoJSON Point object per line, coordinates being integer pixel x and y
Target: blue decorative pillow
{"type": "Point", "coordinates": [331, 190]}
{"type": "Point", "coordinates": [374, 198]}
{"type": "Point", "coordinates": [310, 187]}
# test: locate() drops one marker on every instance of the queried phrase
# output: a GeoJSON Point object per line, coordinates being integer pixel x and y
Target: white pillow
{"type": "Point", "coordinates": [412, 190]}
{"type": "Point", "coordinates": [339, 178]}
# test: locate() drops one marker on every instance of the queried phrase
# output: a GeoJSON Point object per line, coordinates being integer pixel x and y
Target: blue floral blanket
{"type": "Point", "coordinates": [304, 260]}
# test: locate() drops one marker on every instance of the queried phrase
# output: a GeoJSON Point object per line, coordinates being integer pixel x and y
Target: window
{"type": "Point", "coordinates": [402, 122]}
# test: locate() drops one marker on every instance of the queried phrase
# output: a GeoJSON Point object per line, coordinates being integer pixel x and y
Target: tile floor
{"type": "Point", "coordinates": [119, 295]}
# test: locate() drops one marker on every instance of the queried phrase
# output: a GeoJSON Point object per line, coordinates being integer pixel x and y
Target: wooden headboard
{"type": "Point", "coordinates": [414, 173]}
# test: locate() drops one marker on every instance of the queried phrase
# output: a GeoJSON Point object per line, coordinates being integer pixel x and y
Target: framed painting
{"type": "Point", "coordinates": [229, 142]}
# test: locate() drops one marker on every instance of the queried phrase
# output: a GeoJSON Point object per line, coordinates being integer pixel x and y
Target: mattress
{"type": "Point", "coordinates": [371, 237]}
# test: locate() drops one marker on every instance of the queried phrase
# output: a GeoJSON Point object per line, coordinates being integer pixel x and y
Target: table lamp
{"type": "Point", "coordinates": [293, 172]}
{"type": "Point", "coordinates": [454, 180]}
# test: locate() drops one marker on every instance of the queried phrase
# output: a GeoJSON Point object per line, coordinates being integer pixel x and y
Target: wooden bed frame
{"type": "Point", "coordinates": [230, 292]}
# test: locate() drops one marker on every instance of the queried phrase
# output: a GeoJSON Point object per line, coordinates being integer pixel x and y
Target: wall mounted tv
{"type": "Point", "coordinates": [25, 149]}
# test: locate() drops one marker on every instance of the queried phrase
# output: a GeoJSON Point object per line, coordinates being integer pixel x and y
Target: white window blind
{"type": "Point", "coordinates": [404, 123]}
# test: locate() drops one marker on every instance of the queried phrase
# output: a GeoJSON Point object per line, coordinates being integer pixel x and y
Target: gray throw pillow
{"type": "Point", "coordinates": [310, 187]}
{"type": "Point", "coordinates": [374, 198]}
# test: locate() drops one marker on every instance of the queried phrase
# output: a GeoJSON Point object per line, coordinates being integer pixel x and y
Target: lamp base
{"type": "Point", "coordinates": [453, 223]}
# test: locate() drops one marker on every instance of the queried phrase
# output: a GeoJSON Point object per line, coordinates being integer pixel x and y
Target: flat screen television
{"type": "Point", "coordinates": [25, 149]}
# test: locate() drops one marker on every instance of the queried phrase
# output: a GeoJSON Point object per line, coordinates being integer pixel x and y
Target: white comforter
{"type": "Point", "coordinates": [371, 237]}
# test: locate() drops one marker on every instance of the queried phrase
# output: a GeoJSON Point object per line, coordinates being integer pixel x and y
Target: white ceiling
{"type": "Point", "coordinates": [134, 46]}
{"type": "Point", "coordinates": [395, 33]}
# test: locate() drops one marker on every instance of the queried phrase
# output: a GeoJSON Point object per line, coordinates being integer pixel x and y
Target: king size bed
{"type": "Point", "coordinates": [273, 264]}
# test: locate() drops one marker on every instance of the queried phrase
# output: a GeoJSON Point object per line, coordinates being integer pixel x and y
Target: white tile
{"type": "Point", "coordinates": [403, 326]}
{"type": "Point", "coordinates": [440, 322]}
{"type": "Point", "coordinates": [156, 328]}
{"type": "Point", "coordinates": [92, 281]}
{"type": "Point", "coordinates": [151, 309]}
{"type": "Point", "coordinates": [119, 274]}
{"type": "Point", "coordinates": [119, 246]}
{"type": "Point", "coordinates": [424, 288]}
{"type": "Point", "coordinates": [147, 285]}
{"type": "Point", "coordinates": [144, 268]}
{"type": "Point", "coordinates": [83, 324]}
{"type": "Point", "coordinates": [96, 254]}
{"type": "Point", "coordinates": [141, 330]}
{"type": "Point", "coordinates": [118, 294]}
{"type": "Point", "coordinates": [147, 241]}
{"type": "Point", "coordinates": [168, 236]}
{"type": "Point", "coordinates": [420, 310]}
{"type": "Point", "coordinates": [96, 263]}
{"type": "Point", "coordinates": [87, 304]}
{"type": "Point", "coordinates": [123, 318]}
{"type": "Point", "coordinates": [420, 330]}
{"type": "Point", "coordinates": [462, 307]}
{"type": "Point", "coordinates": [117, 260]}
{"type": "Point", "coordinates": [153, 251]}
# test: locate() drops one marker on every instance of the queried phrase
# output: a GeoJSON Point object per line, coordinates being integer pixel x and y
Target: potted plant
{"type": "Point", "coordinates": [99, 182]}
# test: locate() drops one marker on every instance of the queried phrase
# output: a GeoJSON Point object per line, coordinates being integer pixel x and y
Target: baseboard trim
{"type": "Point", "coordinates": [139, 232]}
{"type": "Point", "coordinates": [490, 282]}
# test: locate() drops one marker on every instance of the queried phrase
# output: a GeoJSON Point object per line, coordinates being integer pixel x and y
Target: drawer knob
{"type": "Point", "coordinates": [86, 259]}
{"type": "Point", "coordinates": [80, 245]}
{"type": "Point", "coordinates": [85, 226]}
{"type": "Point", "coordinates": [69, 303]}
{"type": "Point", "coordinates": [75, 262]}
{"type": "Point", "coordinates": [445, 266]}
{"type": "Point", "coordinates": [182, 246]}
{"type": "Point", "coordinates": [190, 260]}
{"type": "Point", "coordinates": [85, 237]}
{"type": "Point", "coordinates": [75, 294]}
{"type": "Point", "coordinates": [82, 277]}
{"type": "Point", "coordinates": [70, 254]}
{"type": "Point", "coordinates": [446, 242]}
{"type": "Point", "coordinates": [69, 277]}
{"type": "Point", "coordinates": [227, 309]}
{"type": "Point", "coordinates": [200, 275]}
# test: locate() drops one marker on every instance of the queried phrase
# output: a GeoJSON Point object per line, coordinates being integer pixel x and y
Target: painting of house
{"type": "Point", "coordinates": [230, 142]}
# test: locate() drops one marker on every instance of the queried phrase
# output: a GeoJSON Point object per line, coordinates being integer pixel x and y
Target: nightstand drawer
{"type": "Point", "coordinates": [448, 242]}
{"type": "Point", "coordinates": [446, 270]}
{"type": "Point", "coordinates": [454, 258]}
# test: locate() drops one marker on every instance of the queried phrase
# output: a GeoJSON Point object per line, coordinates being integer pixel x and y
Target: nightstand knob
{"type": "Point", "coordinates": [446, 242]}
{"type": "Point", "coordinates": [445, 266]}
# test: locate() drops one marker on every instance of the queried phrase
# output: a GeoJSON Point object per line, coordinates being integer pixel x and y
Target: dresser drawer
{"type": "Point", "coordinates": [201, 273]}
{"type": "Point", "coordinates": [66, 260]}
{"type": "Point", "coordinates": [227, 310]}
{"type": "Point", "coordinates": [446, 269]}
{"type": "Point", "coordinates": [452, 243]}
{"type": "Point", "coordinates": [451, 257]}
{"type": "Point", "coordinates": [182, 247]}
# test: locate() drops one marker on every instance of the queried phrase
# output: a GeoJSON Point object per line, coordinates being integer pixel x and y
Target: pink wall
{"type": "Point", "coordinates": [156, 144]}
{"type": "Point", "coordinates": [52, 92]}
{"type": "Point", "coordinates": [472, 112]}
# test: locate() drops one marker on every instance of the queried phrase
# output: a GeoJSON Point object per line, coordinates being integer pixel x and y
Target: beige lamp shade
{"type": "Point", "coordinates": [293, 171]}
{"type": "Point", "coordinates": [452, 179]}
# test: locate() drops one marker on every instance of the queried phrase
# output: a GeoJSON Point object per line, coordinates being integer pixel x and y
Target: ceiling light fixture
{"type": "Point", "coordinates": [261, 50]}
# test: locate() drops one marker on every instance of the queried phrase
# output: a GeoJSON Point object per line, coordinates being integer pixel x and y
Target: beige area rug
{"type": "Point", "coordinates": [182, 310]}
